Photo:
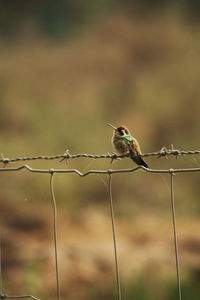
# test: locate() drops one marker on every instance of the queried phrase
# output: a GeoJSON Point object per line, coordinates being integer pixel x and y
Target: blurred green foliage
{"type": "Point", "coordinates": [64, 17]}
{"type": "Point", "coordinates": [142, 288]}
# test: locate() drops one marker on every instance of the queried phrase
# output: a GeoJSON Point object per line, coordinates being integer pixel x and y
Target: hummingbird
{"type": "Point", "coordinates": [124, 144]}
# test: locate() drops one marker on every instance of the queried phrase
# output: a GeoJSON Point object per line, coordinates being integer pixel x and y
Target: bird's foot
{"type": "Point", "coordinates": [114, 156]}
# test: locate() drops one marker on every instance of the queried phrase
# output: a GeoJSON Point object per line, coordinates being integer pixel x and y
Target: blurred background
{"type": "Point", "coordinates": [66, 69]}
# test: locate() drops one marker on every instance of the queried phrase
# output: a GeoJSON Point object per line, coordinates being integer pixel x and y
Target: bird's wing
{"type": "Point", "coordinates": [135, 150]}
{"type": "Point", "coordinates": [135, 147]}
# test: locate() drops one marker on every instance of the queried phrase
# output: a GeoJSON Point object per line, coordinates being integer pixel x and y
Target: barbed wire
{"type": "Point", "coordinates": [164, 152]}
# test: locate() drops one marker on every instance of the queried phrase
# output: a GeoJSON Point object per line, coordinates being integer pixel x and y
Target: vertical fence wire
{"type": "Point", "coordinates": [55, 233]}
{"type": "Point", "coordinates": [175, 235]}
{"type": "Point", "coordinates": [1, 280]}
{"type": "Point", "coordinates": [114, 236]}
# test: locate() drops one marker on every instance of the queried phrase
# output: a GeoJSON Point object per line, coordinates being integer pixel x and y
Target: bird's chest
{"type": "Point", "coordinates": [120, 146]}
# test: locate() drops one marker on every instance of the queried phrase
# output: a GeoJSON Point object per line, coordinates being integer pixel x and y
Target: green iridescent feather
{"type": "Point", "coordinates": [127, 139]}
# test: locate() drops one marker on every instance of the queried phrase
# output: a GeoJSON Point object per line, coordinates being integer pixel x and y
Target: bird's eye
{"type": "Point", "coordinates": [121, 132]}
{"type": "Point", "coordinates": [126, 131]}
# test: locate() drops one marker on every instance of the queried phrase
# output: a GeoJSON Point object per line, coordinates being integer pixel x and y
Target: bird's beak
{"type": "Point", "coordinates": [111, 126]}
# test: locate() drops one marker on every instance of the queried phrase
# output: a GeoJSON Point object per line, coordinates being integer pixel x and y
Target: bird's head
{"type": "Point", "coordinates": [120, 132]}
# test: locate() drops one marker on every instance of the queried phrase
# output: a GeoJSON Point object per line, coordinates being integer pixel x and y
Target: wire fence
{"type": "Point", "coordinates": [164, 152]}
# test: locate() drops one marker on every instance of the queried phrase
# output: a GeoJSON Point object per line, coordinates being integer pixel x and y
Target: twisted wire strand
{"type": "Point", "coordinates": [164, 152]}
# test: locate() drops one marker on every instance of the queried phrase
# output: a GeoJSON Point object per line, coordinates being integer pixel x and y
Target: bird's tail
{"type": "Point", "coordinates": [138, 160]}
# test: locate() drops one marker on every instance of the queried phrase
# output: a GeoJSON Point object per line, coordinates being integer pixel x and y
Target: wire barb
{"type": "Point", "coordinates": [163, 152]}
{"type": "Point", "coordinates": [4, 160]}
{"type": "Point", "coordinates": [66, 156]}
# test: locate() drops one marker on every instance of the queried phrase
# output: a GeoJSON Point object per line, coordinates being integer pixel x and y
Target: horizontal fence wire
{"type": "Point", "coordinates": [164, 152]}
{"type": "Point", "coordinates": [18, 297]}
{"type": "Point", "coordinates": [108, 171]}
